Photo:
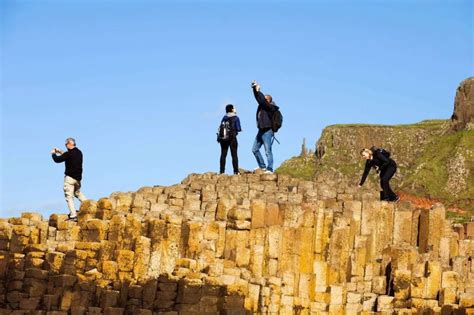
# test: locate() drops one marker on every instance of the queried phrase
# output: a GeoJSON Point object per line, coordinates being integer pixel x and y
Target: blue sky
{"type": "Point", "coordinates": [142, 85]}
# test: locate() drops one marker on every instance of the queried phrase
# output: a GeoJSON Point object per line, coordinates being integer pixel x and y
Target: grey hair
{"type": "Point", "coordinates": [71, 139]}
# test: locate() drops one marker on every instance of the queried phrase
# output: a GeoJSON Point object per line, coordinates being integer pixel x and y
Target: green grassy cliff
{"type": "Point", "coordinates": [444, 170]}
{"type": "Point", "coordinates": [433, 161]}
{"type": "Point", "coordinates": [435, 157]}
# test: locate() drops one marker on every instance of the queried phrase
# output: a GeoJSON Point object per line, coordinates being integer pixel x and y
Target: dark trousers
{"type": "Point", "coordinates": [385, 176]}
{"type": "Point", "coordinates": [233, 144]}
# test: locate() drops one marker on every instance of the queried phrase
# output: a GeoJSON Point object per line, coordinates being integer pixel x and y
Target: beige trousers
{"type": "Point", "coordinates": [72, 188]}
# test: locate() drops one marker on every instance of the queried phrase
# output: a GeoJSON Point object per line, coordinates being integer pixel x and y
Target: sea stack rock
{"type": "Point", "coordinates": [463, 105]}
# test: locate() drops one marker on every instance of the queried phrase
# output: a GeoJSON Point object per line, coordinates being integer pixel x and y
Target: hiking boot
{"type": "Point", "coordinates": [259, 170]}
{"type": "Point", "coordinates": [72, 219]}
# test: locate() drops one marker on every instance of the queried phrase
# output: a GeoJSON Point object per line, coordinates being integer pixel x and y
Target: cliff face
{"type": "Point", "coordinates": [264, 244]}
{"type": "Point", "coordinates": [338, 149]}
{"type": "Point", "coordinates": [432, 161]}
{"type": "Point", "coordinates": [435, 158]}
{"type": "Point", "coordinates": [464, 106]}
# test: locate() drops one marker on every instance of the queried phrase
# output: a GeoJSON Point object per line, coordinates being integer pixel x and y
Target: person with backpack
{"type": "Point", "coordinates": [227, 137]}
{"type": "Point", "coordinates": [269, 120]}
{"type": "Point", "coordinates": [380, 160]}
{"type": "Point", "coordinates": [72, 174]}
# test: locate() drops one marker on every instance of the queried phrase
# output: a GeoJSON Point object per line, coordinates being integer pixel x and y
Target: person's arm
{"type": "Point", "coordinates": [59, 158]}
{"type": "Point", "coordinates": [237, 125]}
{"type": "Point", "coordinates": [366, 172]}
{"type": "Point", "coordinates": [260, 97]}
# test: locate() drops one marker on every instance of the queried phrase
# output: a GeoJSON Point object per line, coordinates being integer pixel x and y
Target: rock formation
{"type": "Point", "coordinates": [435, 157]}
{"type": "Point", "coordinates": [464, 106]}
{"type": "Point", "coordinates": [262, 244]}
{"type": "Point", "coordinates": [339, 146]}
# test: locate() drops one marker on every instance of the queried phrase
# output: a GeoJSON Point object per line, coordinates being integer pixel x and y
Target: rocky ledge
{"type": "Point", "coordinates": [250, 244]}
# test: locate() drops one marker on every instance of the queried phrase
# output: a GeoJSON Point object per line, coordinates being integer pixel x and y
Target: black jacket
{"type": "Point", "coordinates": [379, 160]}
{"type": "Point", "coordinates": [73, 159]}
{"type": "Point", "coordinates": [264, 111]}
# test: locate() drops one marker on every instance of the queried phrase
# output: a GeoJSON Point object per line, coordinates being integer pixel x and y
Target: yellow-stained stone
{"type": "Point", "coordinates": [287, 249]}
{"type": "Point", "coordinates": [448, 296]}
{"type": "Point", "coordinates": [385, 303]}
{"type": "Point", "coordinates": [322, 278]}
{"type": "Point", "coordinates": [274, 249]}
{"type": "Point", "coordinates": [402, 226]}
{"type": "Point", "coordinates": [433, 281]}
{"type": "Point", "coordinates": [336, 309]}
{"type": "Point", "coordinates": [273, 241]}
{"type": "Point", "coordinates": [431, 227]}
{"type": "Point", "coordinates": [304, 242]}
{"type": "Point", "coordinates": [338, 295]}
{"type": "Point", "coordinates": [379, 285]}
{"type": "Point", "coordinates": [125, 260]}
{"type": "Point", "coordinates": [4, 260]}
{"type": "Point", "coordinates": [141, 258]}
{"type": "Point", "coordinates": [211, 231]}
{"type": "Point", "coordinates": [54, 261]}
{"type": "Point", "coordinates": [195, 236]}
{"type": "Point", "coordinates": [339, 252]}
{"type": "Point", "coordinates": [401, 284]}
{"type": "Point", "coordinates": [450, 279]}
{"type": "Point", "coordinates": [223, 207]}
{"type": "Point", "coordinates": [272, 214]}
{"type": "Point", "coordinates": [257, 260]}
{"type": "Point", "coordinates": [466, 299]}
{"type": "Point", "coordinates": [110, 269]}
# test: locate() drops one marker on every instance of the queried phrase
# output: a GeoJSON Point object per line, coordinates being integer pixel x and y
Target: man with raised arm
{"type": "Point", "coordinates": [265, 110]}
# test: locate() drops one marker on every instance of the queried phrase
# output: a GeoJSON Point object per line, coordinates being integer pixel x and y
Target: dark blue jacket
{"type": "Point", "coordinates": [264, 111]}
{"type": "Point", "coordinates": [235, 125]}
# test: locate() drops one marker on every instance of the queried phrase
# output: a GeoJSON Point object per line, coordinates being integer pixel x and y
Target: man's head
{"type": "Point", "coordinates": [229, 108]}
{"type": "Point", "coordinates": [70, 143]}
{"type": "Point", "coordinates": [269, 98]}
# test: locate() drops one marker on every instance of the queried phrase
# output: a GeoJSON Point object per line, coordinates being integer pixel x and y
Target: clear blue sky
{"type": "Point", "coordinates": [142, 85]}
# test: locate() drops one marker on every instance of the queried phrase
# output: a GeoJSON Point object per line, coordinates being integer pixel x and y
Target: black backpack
{"type": "Point", "coordinates": [277, 119]}
{"type": "Point", "coordinates": [225, 131]}
{"type": "Point", "coordinates": [384, 152]}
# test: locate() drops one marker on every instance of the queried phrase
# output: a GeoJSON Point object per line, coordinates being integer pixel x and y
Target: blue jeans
{"type": "Point", "coordinates": [264, 138]}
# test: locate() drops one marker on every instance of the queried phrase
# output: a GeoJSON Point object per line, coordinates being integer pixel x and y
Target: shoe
{"type": "Point", "coordinates": [268, 172]}
{"type": "Point", "coordinates": [396, 200]}
{"type": "Point", "coordinates": [237, 173]}
{"type": "Point", "coordinates": [72, 219]}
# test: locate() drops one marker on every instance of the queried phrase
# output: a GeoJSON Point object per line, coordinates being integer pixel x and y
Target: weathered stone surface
{"type": "Point", "coordinates": [463, 105]}
{"type": "Point", "coordinates": [269, 245]}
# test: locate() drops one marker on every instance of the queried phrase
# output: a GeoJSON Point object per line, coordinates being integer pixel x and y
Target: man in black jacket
{"type": "Point", "coordinates": [73, 174]}
{"type": "Point", "coordinates": [265, 110]}
{"type": "Point", "coordinates": [375, 158]}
